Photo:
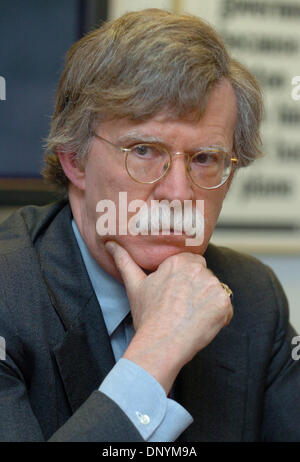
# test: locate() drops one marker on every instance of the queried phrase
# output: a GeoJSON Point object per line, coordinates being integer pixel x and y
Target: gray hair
{"type": "Point", "coordinates": [139, 65]}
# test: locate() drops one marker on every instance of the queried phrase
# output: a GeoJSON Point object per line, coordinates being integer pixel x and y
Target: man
{"type": "Point", "coordinates": [132, 337]}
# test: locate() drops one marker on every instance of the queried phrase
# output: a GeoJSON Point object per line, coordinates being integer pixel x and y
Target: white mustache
{"type": "Point", "coordinates": [161, 217]}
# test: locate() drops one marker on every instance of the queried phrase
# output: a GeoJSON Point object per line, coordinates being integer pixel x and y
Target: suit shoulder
{"type": "Point", "coordinates": [23, 227]}
{"type": "Point", "coordinates": [255, 286]}
{"type": "Point", "coordinates": [232, 261]}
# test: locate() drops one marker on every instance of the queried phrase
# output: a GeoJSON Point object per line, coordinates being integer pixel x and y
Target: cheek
{"type": "Point", "coordinates": [212, 208]}
{"type": "Point", "coordinates": [102, 178]}
{"type": "Point", "coordinates": [114, 185]}
{"type": "Point", "coordinates": [100, 186]}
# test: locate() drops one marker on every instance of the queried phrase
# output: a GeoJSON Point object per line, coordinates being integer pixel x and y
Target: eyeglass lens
{"type": "Point", "coordinates": [147, 163]}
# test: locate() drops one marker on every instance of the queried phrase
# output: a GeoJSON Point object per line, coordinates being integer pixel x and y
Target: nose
{"type": "Point", "coordinates": [175, 184]}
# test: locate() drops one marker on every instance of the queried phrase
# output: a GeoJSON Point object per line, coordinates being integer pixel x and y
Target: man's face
{"type": "Point", "coordinates": [105, 176]}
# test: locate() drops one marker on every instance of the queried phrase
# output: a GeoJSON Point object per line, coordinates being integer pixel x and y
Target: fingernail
{"type": "Point", "coordinates": [109, 247]}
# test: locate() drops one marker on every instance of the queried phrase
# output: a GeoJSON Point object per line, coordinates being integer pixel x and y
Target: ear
{"type": "Point", "coordinates": [73, 169]}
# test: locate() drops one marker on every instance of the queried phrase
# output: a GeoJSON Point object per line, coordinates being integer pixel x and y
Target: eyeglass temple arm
{"type": "Point", "coordinates": [112, 144]}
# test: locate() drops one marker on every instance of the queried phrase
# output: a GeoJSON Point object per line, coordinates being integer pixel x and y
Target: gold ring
{"type": "Point", "coordinates": [227, 289]}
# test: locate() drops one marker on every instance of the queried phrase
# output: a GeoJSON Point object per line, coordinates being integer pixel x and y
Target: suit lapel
{"type": "Point", "coordinates": [84, 355]}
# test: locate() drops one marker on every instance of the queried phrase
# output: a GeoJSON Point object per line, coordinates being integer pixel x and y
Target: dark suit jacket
{"type": "Point", "coordinates": [244, 386]}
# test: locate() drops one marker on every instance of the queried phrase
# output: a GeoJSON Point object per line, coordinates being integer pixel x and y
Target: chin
{"type": "Point", "coordinates": [150, 255]}
{"type": "Point", "coordinates": [151, 263]}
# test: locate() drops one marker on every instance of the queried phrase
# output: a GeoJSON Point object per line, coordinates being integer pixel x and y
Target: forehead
{"type": "Point", "coordinates": [217, 120]}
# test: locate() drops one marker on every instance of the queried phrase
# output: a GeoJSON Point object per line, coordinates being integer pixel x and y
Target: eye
{"type": "Point", "coordinates": [142, 150]}
{"type": "Point", "coordinates": [146, 151]}
{"type": "Point", "coordinates": [206, 158]}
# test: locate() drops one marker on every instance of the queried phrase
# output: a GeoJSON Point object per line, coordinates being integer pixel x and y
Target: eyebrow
{"type": "Point", "coordinates": [136, 137]}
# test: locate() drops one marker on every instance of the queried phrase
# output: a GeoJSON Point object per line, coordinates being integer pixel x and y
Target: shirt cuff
{"type": "Point", "coordinates": [145, 403]}
{"type": "Point", "coordinates": [176, 420]}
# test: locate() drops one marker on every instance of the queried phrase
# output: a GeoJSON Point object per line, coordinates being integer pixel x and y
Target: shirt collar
{"type": "Point", "coordinates": [111, 294]}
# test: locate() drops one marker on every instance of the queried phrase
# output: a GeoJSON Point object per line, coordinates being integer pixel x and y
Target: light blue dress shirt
{"type": "Point", "coordinates": [134, 390]}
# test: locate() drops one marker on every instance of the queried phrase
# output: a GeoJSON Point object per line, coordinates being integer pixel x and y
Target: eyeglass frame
{"type": "Point", "coordinates": [127, 151]}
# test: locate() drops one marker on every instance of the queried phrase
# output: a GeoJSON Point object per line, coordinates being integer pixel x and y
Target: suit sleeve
{"type": "Point", "coordinates": [17, 422]}
{"type": "Point", "coordinates": [98, 419]}
{"type": "Point", "coordinates": [281, 413]}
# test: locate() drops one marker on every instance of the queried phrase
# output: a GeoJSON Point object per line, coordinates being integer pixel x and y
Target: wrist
{"type": "Point", "coordinates": [156, 358]}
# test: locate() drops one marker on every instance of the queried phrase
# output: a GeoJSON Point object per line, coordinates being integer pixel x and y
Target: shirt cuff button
{"type": "Point", "coordinates": [143, 418]}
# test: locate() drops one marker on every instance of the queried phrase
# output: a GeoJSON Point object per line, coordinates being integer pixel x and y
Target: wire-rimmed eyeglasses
{"type": "Point", "coordinates": [147, 163]}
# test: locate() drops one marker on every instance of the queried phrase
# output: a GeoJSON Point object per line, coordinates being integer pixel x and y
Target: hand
{"type": "Point", "coordinates": [176, 311]}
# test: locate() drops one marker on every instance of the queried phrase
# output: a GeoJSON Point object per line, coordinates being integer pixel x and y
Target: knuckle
{"type": "Point", "coordinates": [178, 258]}
{"type": "Point", "coordinates": [227, 313]}
{"type": "Point", "coordinates": [227, 304]}
{"type": "Point", "coordinates": [214, 282]}
{"type": "Point", "coordinates": [202, 261]}
{"type": "Point", "coordinates": [188, 256]}
{"type": "Point", "coordinates": [228, 316]}
{"type": "Point", "coordinates": [175, 261]}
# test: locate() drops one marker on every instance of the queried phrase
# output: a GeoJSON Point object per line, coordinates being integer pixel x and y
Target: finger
{"type": "Point", "coordinates": [195, 257]}
{"type": "Point", "coordinates": [131, 273]}
{"type": "Point", "coordinates": [229, 316]}
{"type": "Point", "coordinates": [186, 257]}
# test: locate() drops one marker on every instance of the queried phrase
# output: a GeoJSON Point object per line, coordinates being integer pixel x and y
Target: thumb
{"type": "Point", "coordinates": [131, 273]}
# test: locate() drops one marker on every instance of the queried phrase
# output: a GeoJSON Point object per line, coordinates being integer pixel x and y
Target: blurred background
{"type": "Point", "coordinates": [261, 214]}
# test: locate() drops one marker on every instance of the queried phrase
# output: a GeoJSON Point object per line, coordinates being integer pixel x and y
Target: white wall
{"type": "Point", "coordinates": [287, 269]}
